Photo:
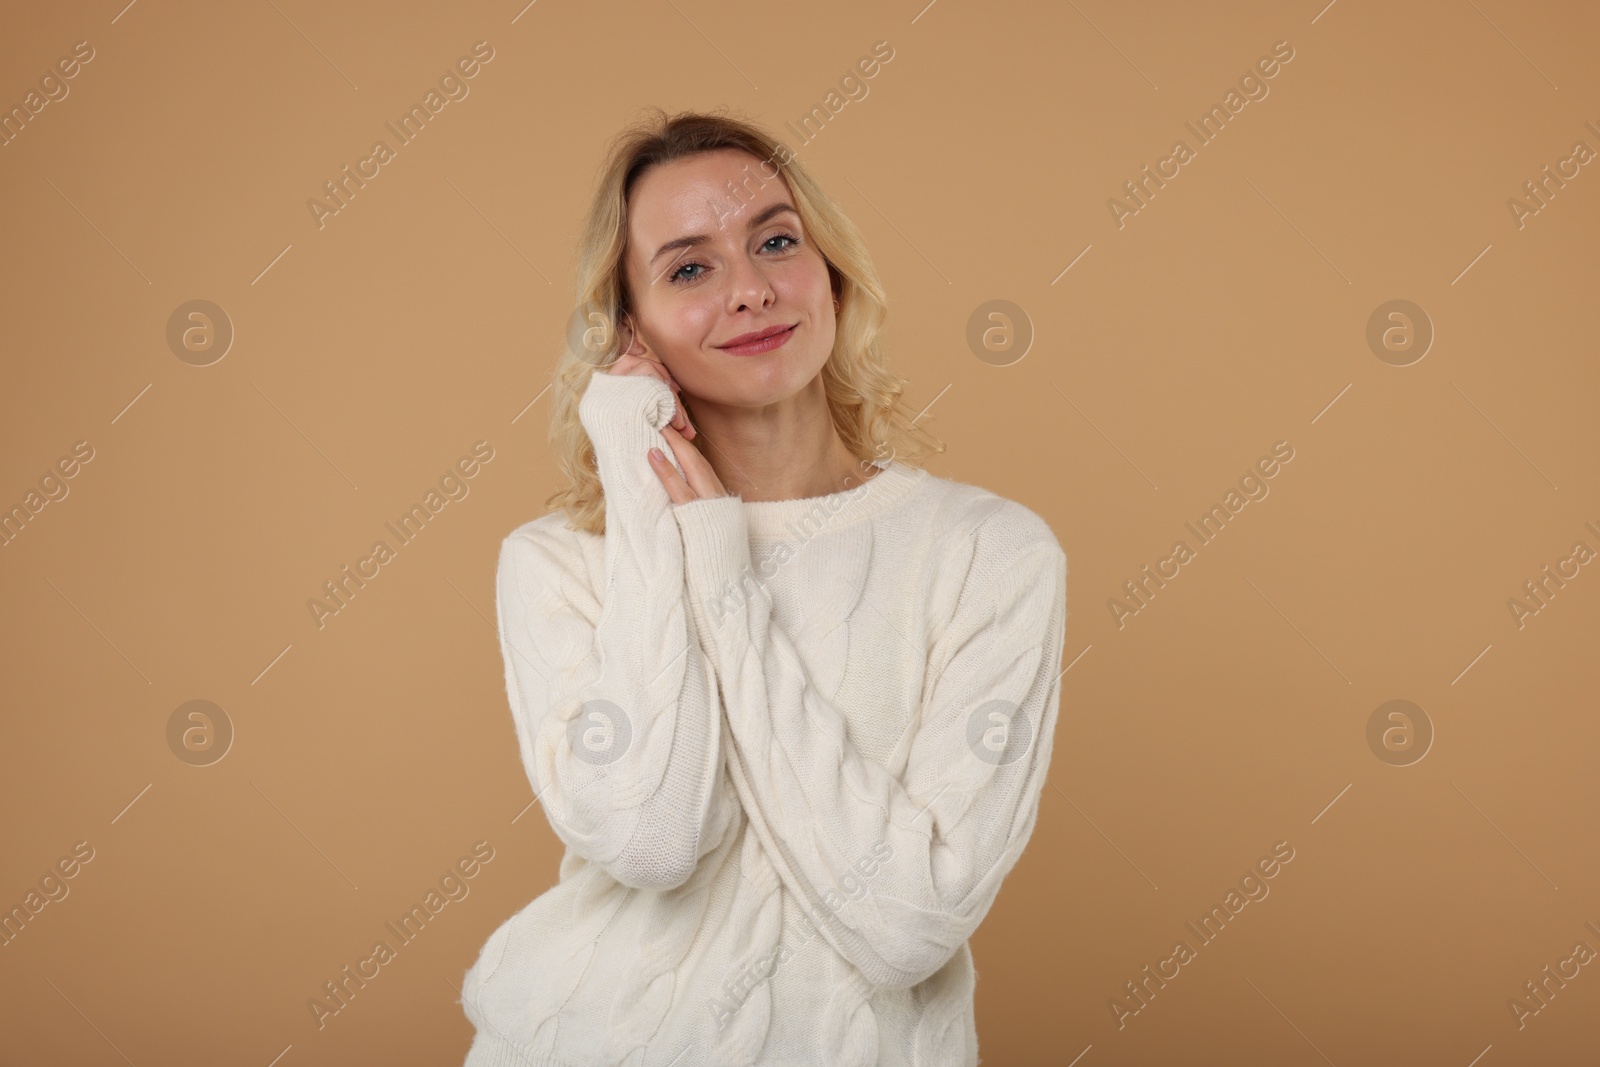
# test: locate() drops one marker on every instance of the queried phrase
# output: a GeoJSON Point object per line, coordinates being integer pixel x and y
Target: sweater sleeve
{"type": "Point", "coordinates": [897, 872]}
{"type": "Point", "coordinates": [617, 713]}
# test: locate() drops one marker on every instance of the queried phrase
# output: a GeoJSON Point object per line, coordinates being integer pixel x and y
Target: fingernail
{"type": "Point", "coordinates": [655, 454]}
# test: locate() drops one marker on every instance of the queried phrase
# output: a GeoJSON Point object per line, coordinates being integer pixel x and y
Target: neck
{"type": "Point", "coordinates": [789, 450]}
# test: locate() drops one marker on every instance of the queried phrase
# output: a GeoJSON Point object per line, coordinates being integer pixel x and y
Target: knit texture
{"type": "Point", "coordinates": [792, 749]}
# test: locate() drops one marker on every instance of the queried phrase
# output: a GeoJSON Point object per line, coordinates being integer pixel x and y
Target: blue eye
{"type": "Point", "coordinates": [676, 278]}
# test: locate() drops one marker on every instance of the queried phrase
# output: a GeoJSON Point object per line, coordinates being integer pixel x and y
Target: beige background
{"type": "Point", "coordinates": [1229, 314]}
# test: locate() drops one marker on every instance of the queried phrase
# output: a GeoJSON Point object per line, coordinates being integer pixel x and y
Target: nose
{"type": "Point", "coordinates": [747, 285]}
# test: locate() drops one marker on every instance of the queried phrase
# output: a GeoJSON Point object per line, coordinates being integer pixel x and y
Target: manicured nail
{"type": "Point", "coordinates": [655, 454]}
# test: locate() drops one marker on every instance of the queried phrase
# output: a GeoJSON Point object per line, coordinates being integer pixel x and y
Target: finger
{"type": "Point", "coordinates": [697, 471]}
{"type": "Point", "coordinates": [680, 417]}
{"type": "Point", "coordinates": [678, 490]}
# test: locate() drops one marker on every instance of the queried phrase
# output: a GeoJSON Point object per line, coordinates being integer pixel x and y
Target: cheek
{"type": "Point", "coordinates": [828, 336]}
{"type": "Point", "coordinates": [688, 323]}
{"type": "Point", "coordinates": [820, 278]}
{"type": "Point", "coordinates": [697, 314]}
{"type": "Point", "coordinates": [690, 328]}
{"type": "Point", "coordinates": [824, 334]}
{"type": "Point", "coordinates": [808, 287]}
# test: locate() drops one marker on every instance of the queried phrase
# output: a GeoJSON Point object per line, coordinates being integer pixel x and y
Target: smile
{"type": "Point", "coordinates": [765, 344]}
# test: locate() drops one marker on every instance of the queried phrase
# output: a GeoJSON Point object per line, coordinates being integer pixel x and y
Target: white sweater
{"type": "Point", "coordinates": [792, 747]}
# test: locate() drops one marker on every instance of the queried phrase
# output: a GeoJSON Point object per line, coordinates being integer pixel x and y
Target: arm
{"type": "Point", "coordinates": [933, 844]}
{"type": "Point", "coordinates": [617, 714]}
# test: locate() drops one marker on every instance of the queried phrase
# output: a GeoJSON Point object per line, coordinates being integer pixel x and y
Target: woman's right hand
{"type": "Point", "coordinates": [636, 359]}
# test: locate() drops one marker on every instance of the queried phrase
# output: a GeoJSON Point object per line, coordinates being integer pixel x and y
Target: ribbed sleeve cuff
{"type": "Point", "coordinates": [716, 560]}
{"type": "Point", "coordinates": [624, 415]}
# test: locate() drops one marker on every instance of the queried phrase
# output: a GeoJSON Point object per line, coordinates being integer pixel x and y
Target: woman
{"type": "Point", "coordinates": [789, 708]}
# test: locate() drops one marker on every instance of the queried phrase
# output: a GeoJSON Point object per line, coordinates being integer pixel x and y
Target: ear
{"type": "Point", "coordinates": [632, 344]}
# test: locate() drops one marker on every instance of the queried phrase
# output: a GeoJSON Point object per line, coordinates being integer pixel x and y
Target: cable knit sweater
{"type": "Point", "coordinates": [791, 747]}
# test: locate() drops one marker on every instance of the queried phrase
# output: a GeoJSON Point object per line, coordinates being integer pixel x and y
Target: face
{"type": "Point", "coordinates": [748, 266]}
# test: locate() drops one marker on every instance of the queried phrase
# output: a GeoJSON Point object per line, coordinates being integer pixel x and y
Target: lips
{"type": "Point", "coordinates": [758, 335]}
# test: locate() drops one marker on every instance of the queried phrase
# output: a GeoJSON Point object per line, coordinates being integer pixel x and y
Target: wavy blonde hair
{"type": "Point", "coordinates": [864, 397]}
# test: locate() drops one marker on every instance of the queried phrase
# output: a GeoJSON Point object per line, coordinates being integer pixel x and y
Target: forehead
{"type": "Point", "coordinates": [700, 194]}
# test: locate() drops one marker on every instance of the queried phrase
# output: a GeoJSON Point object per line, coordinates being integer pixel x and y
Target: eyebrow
{"type": "Point", "coordinates": [700, 238]}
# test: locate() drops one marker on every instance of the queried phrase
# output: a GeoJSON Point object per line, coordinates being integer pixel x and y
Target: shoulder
{"type": "Point", "coordinates": [975, 526]}
{"type": "Point", "coordinates": [545, 550]}
{"type": "Point", "coordinates": [994, 559]}
{"type": "Point", "coordinates": [550, 531]}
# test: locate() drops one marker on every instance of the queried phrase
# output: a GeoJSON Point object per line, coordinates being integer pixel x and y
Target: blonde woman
{"type": "Point", "coordinates": [786, 697]}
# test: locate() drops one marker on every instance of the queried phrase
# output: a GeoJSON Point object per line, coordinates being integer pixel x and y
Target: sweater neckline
{"type": "Point", "coordinates": [810, 515]}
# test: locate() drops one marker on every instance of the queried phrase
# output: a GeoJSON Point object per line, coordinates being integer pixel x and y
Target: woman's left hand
{"type": "Point", "coordinates": [702, 483]}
